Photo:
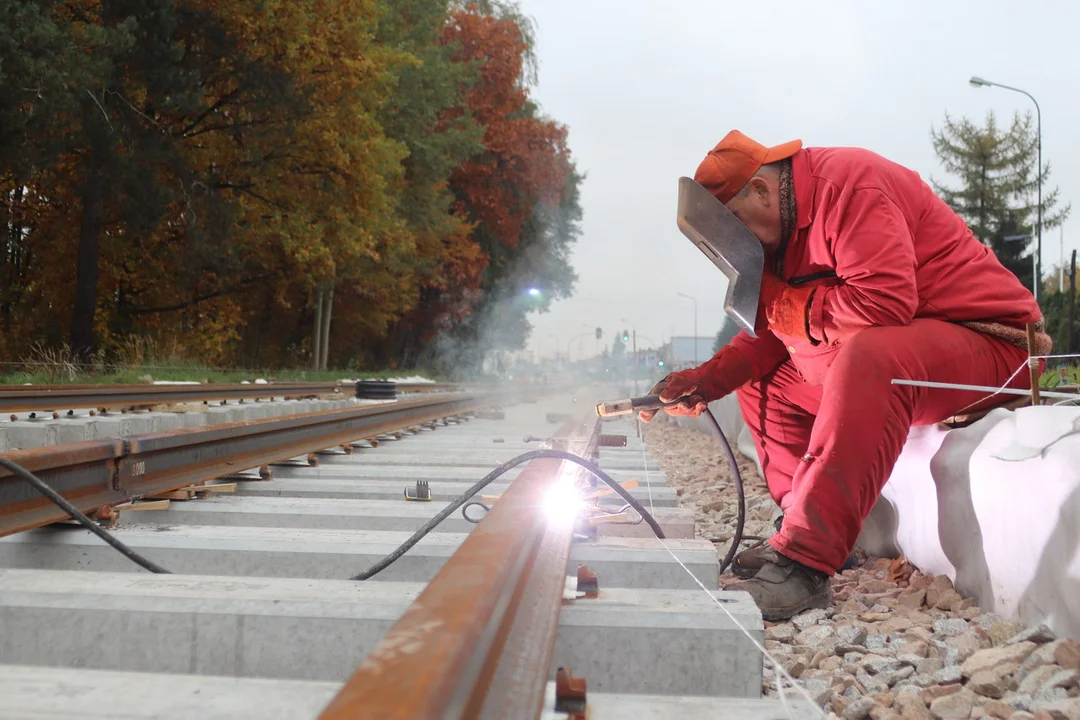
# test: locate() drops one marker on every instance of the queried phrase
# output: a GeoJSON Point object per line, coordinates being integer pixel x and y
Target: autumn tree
{"type": "Point", "coordinates": [227, 177]}
{"type": "Point", "coordinates": [521, 192]}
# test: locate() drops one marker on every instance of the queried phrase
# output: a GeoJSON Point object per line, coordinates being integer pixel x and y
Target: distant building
{"type": "Point", "coordinates": [681, 351]}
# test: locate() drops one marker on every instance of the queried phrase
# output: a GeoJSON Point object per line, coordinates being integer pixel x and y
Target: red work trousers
{"type": "Point", "coordinates": [827, 450]}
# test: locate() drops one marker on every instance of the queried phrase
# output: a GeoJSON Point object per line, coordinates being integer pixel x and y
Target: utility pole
{"type": "Point", "coordinates": [1061, 245]}
{"type": "Point", "coordinates": [980, 82]}
{"type": "Point", "coordinates": [1069, 346]}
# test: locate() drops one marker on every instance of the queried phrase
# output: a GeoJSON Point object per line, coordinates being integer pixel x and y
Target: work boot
{"type": "Point", "coordinates": [784, 588]}
{"type": "Point", "coordinates": [749, 561]}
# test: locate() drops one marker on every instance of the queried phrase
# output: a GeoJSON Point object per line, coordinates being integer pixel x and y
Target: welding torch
{"type": "Point", "coordinates": [645, 402]}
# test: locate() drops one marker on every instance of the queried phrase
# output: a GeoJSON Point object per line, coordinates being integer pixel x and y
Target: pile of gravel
{"type": "Point", "coordinates": [896, 643]}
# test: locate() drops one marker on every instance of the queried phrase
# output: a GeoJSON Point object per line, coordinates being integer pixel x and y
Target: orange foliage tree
{"type": "Point", "coordinates": [232, 160]}
{"type": "Point", "coordinates": [512, 192]}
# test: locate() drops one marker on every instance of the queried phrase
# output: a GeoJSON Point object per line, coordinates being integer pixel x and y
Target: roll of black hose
{"type": "Point", "coordinates": [376, 390]}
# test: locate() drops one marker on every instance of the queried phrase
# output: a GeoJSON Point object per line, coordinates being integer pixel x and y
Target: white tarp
{"type": "Point", "coordinates": [995, 506]}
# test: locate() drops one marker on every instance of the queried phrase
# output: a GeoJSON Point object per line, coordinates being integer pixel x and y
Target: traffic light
{"type": "Point", "coordinates": [661, 363]}
{"type": "Point", "coordinates": [625, 336]}
{"type": "Point", "coordinates": [599, 333]}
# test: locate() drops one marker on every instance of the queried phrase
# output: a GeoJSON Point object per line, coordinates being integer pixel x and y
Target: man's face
{"type": "Point", "coordinates": [758, 207]}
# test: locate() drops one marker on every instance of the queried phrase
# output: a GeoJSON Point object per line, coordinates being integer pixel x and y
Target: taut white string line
{"type": "Point", "coordinates": [1005, 386]}
{"type": "Point", "coordinates": [778, 668]}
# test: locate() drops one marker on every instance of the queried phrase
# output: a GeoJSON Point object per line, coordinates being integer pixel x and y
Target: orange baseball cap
{"type": "Point", "coordinates": [735, 159]}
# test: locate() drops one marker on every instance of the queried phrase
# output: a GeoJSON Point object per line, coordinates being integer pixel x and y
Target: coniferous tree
{"type": "Point", "coordinates": [996, 195]}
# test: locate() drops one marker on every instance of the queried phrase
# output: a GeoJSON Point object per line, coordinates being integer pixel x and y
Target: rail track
{"type": "Point", "coordinates": [67, 398]}
{"type": "Point", "coordinates": [533, 612]}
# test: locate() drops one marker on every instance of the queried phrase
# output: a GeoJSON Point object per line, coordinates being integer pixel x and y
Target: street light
{"type": "Point", "coordinates": [694, 299]}
{"type": "Point", "coordinates": [1034, 266]}
{"type": "Point", "coordinates": [558, 347]}
{"type": "Point", "coordinates": [979, 82]}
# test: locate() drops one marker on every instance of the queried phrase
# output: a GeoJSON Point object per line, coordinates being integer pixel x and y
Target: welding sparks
{"type": "Point", "coordinates": [563, 502]}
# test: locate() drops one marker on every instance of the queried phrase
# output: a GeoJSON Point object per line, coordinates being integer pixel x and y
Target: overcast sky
{"type": "Point", "coordinates": [647, 88]}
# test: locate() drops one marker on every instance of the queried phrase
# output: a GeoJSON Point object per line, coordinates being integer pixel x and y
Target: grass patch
{"type": "Point", "coordinates": [48, 366]}
{"type": "Point", "coordinates": [140, 375]}
{"type": "Point", "coordinates": [1060, 377]}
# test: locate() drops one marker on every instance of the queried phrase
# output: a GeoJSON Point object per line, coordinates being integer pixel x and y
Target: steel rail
{"type": "Point", "coordinates": [440, 387]}
{"type": "Point", "coordinates": [104, 472]}
{"type": "Point", "coordinates": [43, 398]}
{"type": "Point", "coordinates": [478, 641]}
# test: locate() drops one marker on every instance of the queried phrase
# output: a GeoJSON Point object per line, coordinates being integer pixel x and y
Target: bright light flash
{"type": "Point", "coordinates": [563, 502]}
{"type": "Point", "coordinates": [535, 292]}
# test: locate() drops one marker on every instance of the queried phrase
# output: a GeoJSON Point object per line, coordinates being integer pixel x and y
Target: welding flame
{"type": "Point", "coordinates": [563, 502]}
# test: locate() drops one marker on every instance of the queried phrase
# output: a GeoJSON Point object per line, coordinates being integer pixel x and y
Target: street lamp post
{"type": "Point", "coordinates": [633, 329]}
{"type": "Point", "coordinates": [694, 299]}
{"type": "Point", "coordinates": [1034, 265]}
{"type": "Point", "coordinates": [558, 347]}
{"type": "Point", "coordinates": [979, 82]}
{"type": "Point", "coordinates": [634, 364]}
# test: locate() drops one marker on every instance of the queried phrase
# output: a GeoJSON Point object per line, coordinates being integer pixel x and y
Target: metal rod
{"type": "Point", "coordinates": [1033, 365]}
{"type": "Point", "coordinates": [982, 388]}
{"type": "Point", "coordinates": [1038, 177]}
{"type": "Point", "coordinates": [1069, 344]}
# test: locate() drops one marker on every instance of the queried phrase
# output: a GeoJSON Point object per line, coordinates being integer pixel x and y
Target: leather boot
{"type": "Point", "coordinates": [783, 588]}
{"type": "Point", "coordinates": [747, 563]}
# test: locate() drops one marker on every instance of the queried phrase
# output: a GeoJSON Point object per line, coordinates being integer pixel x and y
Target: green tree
{"type": "Point", "coordinates": [998, 177]}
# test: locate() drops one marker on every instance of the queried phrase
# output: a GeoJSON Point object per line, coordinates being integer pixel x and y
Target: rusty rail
{"type": "Point", "coordinates": [478, 642]}
{"type": "Point", "coordinates": [441, 387]}
{"type": "Point", "coordinates": [43, 398]}
{"type": "Point", "coordinates": [104, 472]}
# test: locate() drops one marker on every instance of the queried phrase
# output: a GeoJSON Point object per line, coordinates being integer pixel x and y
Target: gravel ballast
{"type": "Point", "coordinates": [896, 643]}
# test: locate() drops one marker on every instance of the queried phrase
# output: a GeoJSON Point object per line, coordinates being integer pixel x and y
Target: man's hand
{"type": "Point", "coordinates": [786, 308]}
{"type": "Point", "coordinates": [678, 385]}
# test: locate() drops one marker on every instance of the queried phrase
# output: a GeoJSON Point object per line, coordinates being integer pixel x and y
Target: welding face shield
{"type": "Point", "coordinates": [722, 237]}
{"type": "Point", "coordinates": [728, 244]}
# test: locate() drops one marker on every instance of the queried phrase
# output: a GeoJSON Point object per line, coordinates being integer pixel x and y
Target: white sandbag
{"type": "Point", "coordinates": [994, 506]}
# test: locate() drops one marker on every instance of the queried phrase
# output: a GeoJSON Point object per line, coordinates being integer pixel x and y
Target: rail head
{"type": "Point", "coordinates": [494, 605]}
{"type": "Point", "coordinates": [43, 398]}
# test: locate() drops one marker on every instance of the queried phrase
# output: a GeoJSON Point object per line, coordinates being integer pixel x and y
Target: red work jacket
{"type": "Point", "coordinates": [882, 249]}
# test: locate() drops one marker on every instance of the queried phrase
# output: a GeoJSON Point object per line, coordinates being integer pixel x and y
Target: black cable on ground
{"type": "Point", "coordinates": [40, 485]}
{"type": "Point", "coordinates": [737, 538]}
{"type": "Point", "coordinates": [477, 503]}
{"type": "Point", "coordinates": [491, 477]}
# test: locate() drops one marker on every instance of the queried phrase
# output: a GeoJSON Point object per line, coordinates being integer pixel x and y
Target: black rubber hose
{"type": "Point", "coordinates": [43, 488]}
{"type": "Point", "coordinates": [40, 485]}
{"type": "Point", "coordinates": [737, 538]}
{"type": "Point", "coordinates": [491, 477]}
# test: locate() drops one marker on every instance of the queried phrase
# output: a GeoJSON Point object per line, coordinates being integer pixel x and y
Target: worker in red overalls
{"type": "Point", "coordinates": [869, 276]}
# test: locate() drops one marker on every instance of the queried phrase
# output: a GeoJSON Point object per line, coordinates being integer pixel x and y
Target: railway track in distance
{"type": "Point", "coordinates": [68, 398]}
